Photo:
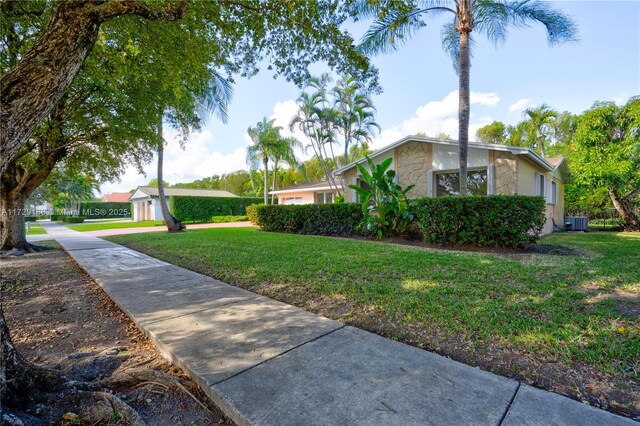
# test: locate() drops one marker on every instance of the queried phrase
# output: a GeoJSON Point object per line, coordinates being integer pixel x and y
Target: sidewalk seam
{"type": "Point", "coordinates": [506, 411]}
{"type": "Point", "coordinates": [197, 312]}
{"type": "Point", "coordinates": [278, 356]}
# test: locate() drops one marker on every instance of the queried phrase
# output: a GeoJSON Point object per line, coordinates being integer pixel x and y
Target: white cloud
{"type": "Point", "coordinates": [197, 160]}
{"type": "Point", "coordinates": [520, 105]}
{"type": "Point", "coordinates": [439, 117]}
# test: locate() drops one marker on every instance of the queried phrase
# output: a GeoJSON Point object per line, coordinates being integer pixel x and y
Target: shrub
{"type": "Point", "coordinates": [105, 210]}
{"type": "Point", "coordinates": [72, 219]}
{"type": "Point", "coordinates": [314, 219]}
{"type": "Point", "coordinates": [252, 213]}
{"type": "Point", "coordinates": [494, 221]}
{"type": "Point", "coordinates": [384, 203]}
{"type": "Point", "coordinates": [30, 218]}
{"type": "Point", "coordinates": [201, 209]}
{"type": "Point", "coordinates": [227, 219]}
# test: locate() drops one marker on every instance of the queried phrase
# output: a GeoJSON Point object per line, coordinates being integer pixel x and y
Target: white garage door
{"type": "Point", "coordinates": [293, 200]}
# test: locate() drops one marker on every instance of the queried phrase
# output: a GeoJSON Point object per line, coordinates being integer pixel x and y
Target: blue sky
{"type": "Point", "coordinates": [420, 87]}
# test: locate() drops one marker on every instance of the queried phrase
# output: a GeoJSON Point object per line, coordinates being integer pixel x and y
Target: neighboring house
{"type": "Point", "coordinates": [306, 193]}
{"type": "Point", "coordinates": [116, 197]}
{"type": "Point", "coordinates": [146, 201]}
{"type": "Point", "coordinates": [432, 166]}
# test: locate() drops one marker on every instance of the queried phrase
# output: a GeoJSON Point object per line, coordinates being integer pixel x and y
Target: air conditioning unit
{"type": "Point", "coordinates": [577, 223]}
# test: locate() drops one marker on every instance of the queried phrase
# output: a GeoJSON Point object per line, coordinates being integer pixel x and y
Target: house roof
{"type": "Point", "coordinates": [516, 150]}
{"type": "Point", "coordinates": [116, 197]}
{"type": "Point", "coordinates": [305, 187]}
{"type": "Point", "coordinates": [152, 191]}
{"type": "Point", "coordinates": [554, 161]}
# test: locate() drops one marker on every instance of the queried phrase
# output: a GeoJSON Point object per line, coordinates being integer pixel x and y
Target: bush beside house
{"type": "Point", "coordinates": [494, 221]}
{"type": "Point", "coordinates": [313, 219]}
{"type": "Point", "coordinates": [201, 209]}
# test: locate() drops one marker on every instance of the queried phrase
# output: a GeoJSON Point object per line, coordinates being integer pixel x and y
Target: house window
{"type": "Point", "coordinates": [364, 185]}
{"type": "Point", "coordinates": [324, 197]}
{"type": "Point", "coordinates": [448, 183]}
{"type": "Point", "coordinates": [554, 192]}
{"type": "Point", "coordinates": [541, 185]}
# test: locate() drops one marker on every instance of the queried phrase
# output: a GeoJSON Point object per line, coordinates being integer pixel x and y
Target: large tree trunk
{"type": "Point", "coordinates": [265, 162]}
{"type": "Point", "coordinates": [463, 110]}
{"type": "Point", "coordinates": [30, 89]}
{"type": "Point", "coordinates": [173, 225]}
{"type": "Point", "coordinates": [20, 379]}
{"type": "Point", "coordinates": [12, 232]}
{"type": "Point", "coordinates": [621, 204]}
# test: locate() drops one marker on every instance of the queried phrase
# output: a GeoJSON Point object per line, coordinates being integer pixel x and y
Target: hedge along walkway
{"type": "Point", "coordinates": [268, 363]}
{"type": "Point", "coordinates": [124, 231]}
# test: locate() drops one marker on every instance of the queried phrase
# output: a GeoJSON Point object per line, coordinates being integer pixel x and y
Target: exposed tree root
{"type": "Point", "coordinates": [22, 250]}
{"type": "Point", "coordinates": [25, 388]}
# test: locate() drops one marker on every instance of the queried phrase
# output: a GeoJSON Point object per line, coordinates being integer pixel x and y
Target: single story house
{"type": "Point", "coordinates": [307, 193]}
{"type": "Point", "coordinates": [116, 197]}
{"type": "Point", "coordinates": [146, 202]}
{"type": "Point", "coordinates": [432, 166]}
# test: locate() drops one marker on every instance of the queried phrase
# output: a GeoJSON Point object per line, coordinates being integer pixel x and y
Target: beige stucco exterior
{"type": "Point", "coordinates": [510, 170]}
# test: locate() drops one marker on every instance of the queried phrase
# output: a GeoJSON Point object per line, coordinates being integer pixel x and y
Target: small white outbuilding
{"type": "Point", "coordinates": [146, 200]}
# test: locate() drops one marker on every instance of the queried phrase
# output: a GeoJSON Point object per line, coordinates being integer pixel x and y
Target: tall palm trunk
{"type": "Point", "coordinates": [265, 162]}
{"type": "Point", "coordinates": [173, 225]}
{"type": "Point", "coordinates": [275, 176]}
{"type": "Point", "coordinates": [463, 109]}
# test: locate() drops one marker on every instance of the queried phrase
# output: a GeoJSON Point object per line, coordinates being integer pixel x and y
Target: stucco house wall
{"type": "Point", "coordinates": [510, 170]}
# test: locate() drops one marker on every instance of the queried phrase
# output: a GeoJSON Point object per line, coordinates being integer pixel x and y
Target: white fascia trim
{"type": "Point", "coordinates": [516, 150]}
{"type": "Point", "coordinates": [289, 191]}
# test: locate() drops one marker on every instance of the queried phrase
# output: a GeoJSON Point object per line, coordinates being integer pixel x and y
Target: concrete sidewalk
{"type": "Point", "coordinates": [267, 363]}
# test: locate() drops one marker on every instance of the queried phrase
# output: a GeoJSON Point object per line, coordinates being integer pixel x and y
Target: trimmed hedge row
{"type": "Point", "coordinates": [201, 209]}
{"type": "Point", "coordinates": [314, 219]}
{"type": "Point", "coordinates": [494, 221]}
{"type": "Point", "coordinates": [252, 213]}
{"type": "Point", "coordinates": [105, 210]}
{"type": "Point", "coordinates": [72, 219]}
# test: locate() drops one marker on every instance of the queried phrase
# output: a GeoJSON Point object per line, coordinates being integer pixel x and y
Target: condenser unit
{"type": "Point", "coordinates": [577, 223]}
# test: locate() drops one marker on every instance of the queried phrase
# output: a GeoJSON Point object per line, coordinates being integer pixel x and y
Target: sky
{"type": "Point", "coordinates": [420, 88]}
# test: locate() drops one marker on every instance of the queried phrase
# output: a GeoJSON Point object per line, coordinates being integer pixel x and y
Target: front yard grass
{"type": "Point", "coordinates": [35, 229]}
{"type": "Point", "coordinates": [569, 323]}
{"type": "Point", "coordinates": [87, 226]}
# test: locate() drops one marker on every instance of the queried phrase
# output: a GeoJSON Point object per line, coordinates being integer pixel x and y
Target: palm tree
{"type": "Point", "coordinates": [265, 137]}
{"type": "Point", "coordinates": [213, 99]}
{"type": "Point", "coordinates": [283, 153]}
{"type": "Point", "coordinates": [316, 120]}
{"type": "Point", "coordinates": [539, 124]}
{"type": "Point", "coordinates": [354, 114]}
{"type": "Point", "coordinates": [395, 21]}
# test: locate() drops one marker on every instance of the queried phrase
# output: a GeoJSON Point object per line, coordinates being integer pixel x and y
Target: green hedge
{"type": "Point", "coordinates": [315, 219]}
{"type": "Point", "coordinates": [494, 221]}
{"type": "Point", "coordinates": [252, 213]}
{"type": "Point", "coordinates": [201, 209]}
{"type": "Point", "coordinates": [105, 210]}
{"type": "Point", "coordinates": [72, 219]}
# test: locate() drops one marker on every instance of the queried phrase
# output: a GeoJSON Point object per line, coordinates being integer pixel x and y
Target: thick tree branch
{"type": "Point", "coordinates": [113, 8]}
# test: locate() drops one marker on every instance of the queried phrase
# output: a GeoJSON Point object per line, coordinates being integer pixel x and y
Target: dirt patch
{"type": "Point", "coordinates": [54, 310]}
{"type": "Point", "coordinates": [550, 249]}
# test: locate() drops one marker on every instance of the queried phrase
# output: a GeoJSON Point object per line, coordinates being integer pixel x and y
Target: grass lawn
{"type": "Point", "coordinates": [98, 226]}
{"type": "Point", "coordinates": [36, 229]}
{"type": "Point", "coordinates": [569, 323]}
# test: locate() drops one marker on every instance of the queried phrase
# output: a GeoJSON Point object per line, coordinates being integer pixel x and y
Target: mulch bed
{"type": "Point", "coordinates": [54, 309]}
